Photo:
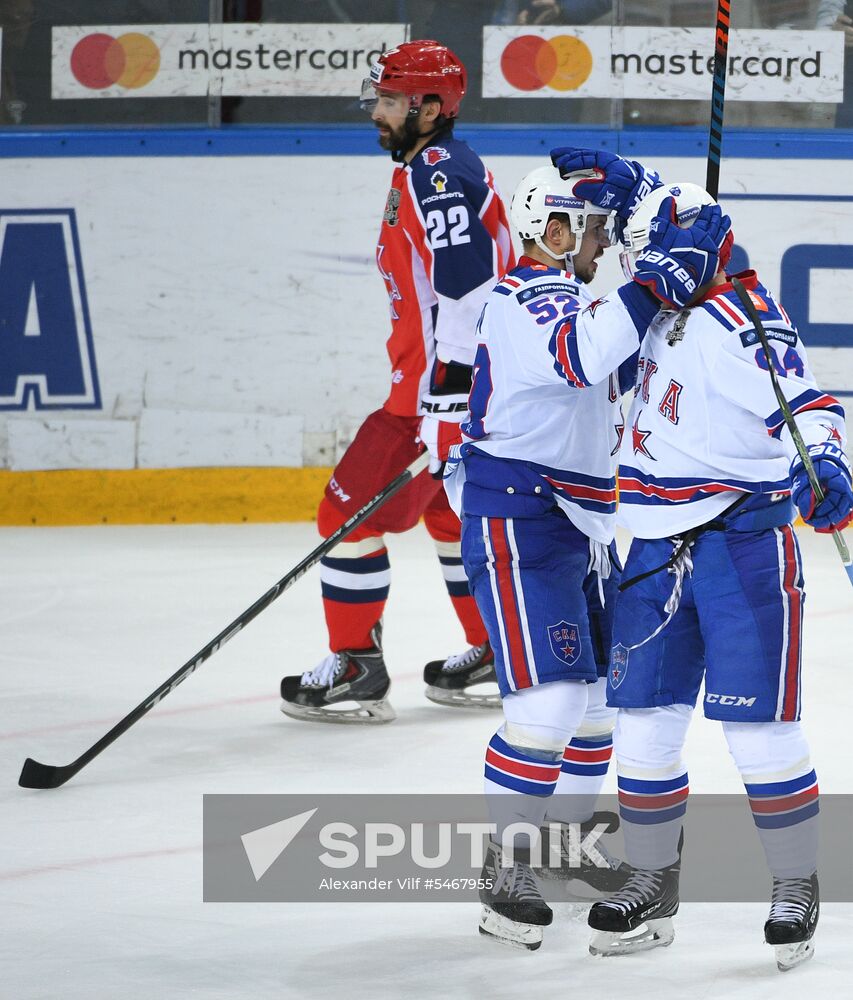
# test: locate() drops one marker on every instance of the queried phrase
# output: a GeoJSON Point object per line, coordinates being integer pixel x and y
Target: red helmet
{"type": "Point", "coordinates": [420, 68]}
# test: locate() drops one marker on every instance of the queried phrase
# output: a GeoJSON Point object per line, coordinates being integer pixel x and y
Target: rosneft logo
{"type": "Point", "coordinates": [560, 63]}
{"type": "Point", "coordinates": [99, 61]}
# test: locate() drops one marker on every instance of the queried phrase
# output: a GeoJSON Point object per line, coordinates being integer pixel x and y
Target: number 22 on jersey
{"type": "Point", "coordinates": [449, 231]}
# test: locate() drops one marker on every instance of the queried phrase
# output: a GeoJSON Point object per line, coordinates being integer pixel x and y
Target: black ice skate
{"type": "Point", "coordinates": [794, 913]}
{"type": "Point", "coordinates": [588, 873]}
{"type": "Point", "coordinates": [350, 676]}
{"type": "Point", "coordinates": [449, 681]}
{"type": "Point", "coordinates": [639, 916]}
{"type": "Point", "coordinates": [514, 911]}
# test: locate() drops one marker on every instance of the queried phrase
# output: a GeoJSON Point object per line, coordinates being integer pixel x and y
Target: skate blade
{"type": "Point", "coordinates": [651, 934]}
{"type": "Point", "coordinates": [367, 713]}
{"type": "Point", "coordinates": [789, 956]}
{"type": "Point", "coordinates": [512, 932]}
{"type": "Point", "coordinates": [462, 698]}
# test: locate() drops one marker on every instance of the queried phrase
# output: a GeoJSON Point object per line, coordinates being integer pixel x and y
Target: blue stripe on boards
{"type": "Point", "coordinates": [488, 140]}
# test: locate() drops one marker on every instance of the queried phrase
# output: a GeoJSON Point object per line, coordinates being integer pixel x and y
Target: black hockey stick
{"type": "Point", "coordinates": [36, 775]}
{"type": "Point", "coordinates": [718, 98]}
{"type": "Point", "coordinates": [788, 417]}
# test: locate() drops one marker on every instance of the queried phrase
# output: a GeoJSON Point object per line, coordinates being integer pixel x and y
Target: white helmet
{"type": "Point", "coordinates": [689, 201]}
{"type": "Point", "coordinates": [542, 192]}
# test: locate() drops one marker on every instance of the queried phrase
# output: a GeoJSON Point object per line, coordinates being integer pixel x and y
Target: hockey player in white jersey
{"type": "Point", "coordinates": [537, 485]}
{"type": "Point", "coordinates": [713, 582]}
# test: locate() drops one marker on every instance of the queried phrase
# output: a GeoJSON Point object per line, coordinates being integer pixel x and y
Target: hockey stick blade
{"type": "Point", "coordinates": [37, 775]}
{"type": "Point", "coordinates": [788, 417]}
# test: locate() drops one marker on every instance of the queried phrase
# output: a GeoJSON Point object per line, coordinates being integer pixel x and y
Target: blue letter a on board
{"type": "Point", "coordinates": [47, 357]}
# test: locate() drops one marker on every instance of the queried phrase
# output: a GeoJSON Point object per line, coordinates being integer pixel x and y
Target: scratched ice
{"type": "Point", "coordinates": [101, 879]}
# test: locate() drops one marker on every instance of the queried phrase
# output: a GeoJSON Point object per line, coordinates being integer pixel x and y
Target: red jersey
{"type": "Point", "coordinates": [444, 243]}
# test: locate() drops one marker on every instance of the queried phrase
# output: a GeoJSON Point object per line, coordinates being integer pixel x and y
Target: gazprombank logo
{"type": "Point", "coordinates": [99, 60]}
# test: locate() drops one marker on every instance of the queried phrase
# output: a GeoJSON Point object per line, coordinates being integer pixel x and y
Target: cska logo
{"type": "Point", "coordinates": [434, 154]}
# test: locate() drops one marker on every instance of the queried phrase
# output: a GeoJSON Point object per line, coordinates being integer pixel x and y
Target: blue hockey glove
{"type": "Point", "coordinates": [619, 185]}
{"type": "Point", "coordinates": [833, 473]}
{"type": "Point", "coordinates": [678, 262]}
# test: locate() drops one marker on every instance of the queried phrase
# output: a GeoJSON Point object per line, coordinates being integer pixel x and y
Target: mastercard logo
{"type": "Point", "coordinates": [531, 63]}
{"type": "Point", "coordinates": [131, 60]}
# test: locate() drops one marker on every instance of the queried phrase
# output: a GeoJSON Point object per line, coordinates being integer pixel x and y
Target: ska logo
{"type": "Point", "coordinates": [618, 664]}
{"type": "Point", "coordinates": [47, 356]}
{"type": "Point", "coordinates": [434, 154]}
{"type": "Point", "coordinates": [565, 642]}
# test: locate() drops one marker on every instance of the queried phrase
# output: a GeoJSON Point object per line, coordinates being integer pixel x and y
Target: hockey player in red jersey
{"type": "Point", "coordinates": [443, 244]}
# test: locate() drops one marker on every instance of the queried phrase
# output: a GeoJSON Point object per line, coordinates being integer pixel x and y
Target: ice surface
{"type": "Point", "coordinates": [100, 880]}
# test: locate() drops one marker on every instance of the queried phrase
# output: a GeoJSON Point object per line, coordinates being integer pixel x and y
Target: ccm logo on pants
{"type": "Point", "coordinates": [737, 700]}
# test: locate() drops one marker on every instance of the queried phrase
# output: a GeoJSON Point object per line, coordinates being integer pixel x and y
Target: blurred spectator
{"type": "Point", "coordinates": [785, 14]}
{"type": "Point", "coordinates": [16, 18]}
{"type": "Point", "coordinates": [833, 14]}
{"type": "Point", "coordinates": [535, 12]}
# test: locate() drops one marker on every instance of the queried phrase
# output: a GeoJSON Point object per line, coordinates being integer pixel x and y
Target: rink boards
{"type": "Point", "coordinates": [194, 327]}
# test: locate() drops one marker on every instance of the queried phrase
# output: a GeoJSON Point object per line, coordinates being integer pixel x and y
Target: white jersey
{"type": "Point", "coordinates": [705, 426]}
{"type": "Point", "coordinates": [546, 389]}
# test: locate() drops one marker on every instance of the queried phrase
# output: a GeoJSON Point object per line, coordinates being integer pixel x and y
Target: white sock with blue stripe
{"type": "Point", "coordinates": [524, 757]}
{"type": "Point", "coordinates": [773, 760]}
{"type": "Point", "coordinates": [653, 783]}
{"type": "Point", "coordinates": [585, 760]}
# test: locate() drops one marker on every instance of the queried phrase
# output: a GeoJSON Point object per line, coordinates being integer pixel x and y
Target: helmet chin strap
{"type": "Point", "coordinates": [561, 258]}
{"type": "Point", "coordinates": [566, 260]}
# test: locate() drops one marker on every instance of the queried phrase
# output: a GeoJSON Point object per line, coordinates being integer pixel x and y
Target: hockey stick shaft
{"type": "Point", "coordinates": [790, 422]}
{"type": "Point", "coordinates": [37, 775]}
{"type": "Point", "coordinates": [718, 97]}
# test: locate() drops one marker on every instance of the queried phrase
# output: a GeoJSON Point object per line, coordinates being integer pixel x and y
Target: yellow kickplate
{"type": "Point", "coordinates": [160, 496]}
